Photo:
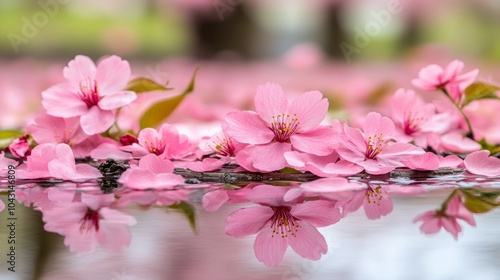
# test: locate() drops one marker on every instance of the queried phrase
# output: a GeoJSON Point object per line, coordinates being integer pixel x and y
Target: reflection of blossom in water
{"type": "Point", "coordinates": [279, 224]}
{"type": "Point", "coordinates": [90, 222]}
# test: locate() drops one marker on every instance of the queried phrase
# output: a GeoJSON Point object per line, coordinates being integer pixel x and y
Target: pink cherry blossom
{"type": "Point", "coordinates": [55, 161]}
{"type": "Point", "coordinates": [434, 77]}
{"type": "Point", "coordinates": [224, 148]}
{"type": "Point", "coordinates": [47, 198]}
{"type": "Point", "coordinates": [90, 222]}
{"type": "Point", "coordinates": [20, 148]}
{"type": "Point", "coordinates": [374, 149]}
{"type": "Point", "coordinates": [278, 224]}
{"type": "Point", "coordinates": [447, 218]}
{"type": "Point", "coordinates": [166, 142]}
{"type": "Point", "coordinates": [375, 200]}
{"type": "Point", "coordinates": [414, 118]}
{"type": "Point", "coordinates": [49, 129]}
{"type": "Point", "coordinates": [91, 93]}
{"type": "Point", "coordinates": [480, 163]}
{"type": "Point", "coordinates": [278, 127]}
{"type": "Point", "coordinates": [153, 172]}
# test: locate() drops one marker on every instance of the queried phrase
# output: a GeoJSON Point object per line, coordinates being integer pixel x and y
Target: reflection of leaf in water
{"type": "Point", "coordinates": [481, 201]}
{"type": "Point", "coordinates": [188, 211]}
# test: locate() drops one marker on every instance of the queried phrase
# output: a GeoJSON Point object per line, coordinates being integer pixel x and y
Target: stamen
{"type": "Point", "coordinates": [376, 143]}
{"type": "Point", "coordinates": [283, 126]}
{"type": "Point", "coordinates": [411, 122]}
{"type": "Point", "coordinates": [374, 195]}
{"type": "Point", "coordinates": [283, 223]}
{"type": "Point", "coordinates": [223, 147]}
{"type": "Point", "coordinates": [89, 92]}
{"type": "Point", "coordinates": [90, 222]}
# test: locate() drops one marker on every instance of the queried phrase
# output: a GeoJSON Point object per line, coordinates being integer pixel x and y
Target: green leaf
{"type": "Point", "coordinates": [159, 111]}
{"type": "Point", "coordinates": [8, 134]}
{"type": "Point", "coordinates": [289, 170]}
{"type": "Point", "coordinates": [479, 90]}
{"type": "Point", "coordinates": [189, 212]}
{"type": "Point", "coordinates": [141, 84]}
{"type": "Point", "coordinates": [494, 149]}
{"type": "Point", "coordinates": [480, 202]}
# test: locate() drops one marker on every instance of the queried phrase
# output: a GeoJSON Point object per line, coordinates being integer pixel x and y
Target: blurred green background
{"type": "Point", "coordinates": [242, 29]}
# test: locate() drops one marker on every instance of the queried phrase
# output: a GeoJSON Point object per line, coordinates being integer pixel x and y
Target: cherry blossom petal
{"type": "Point", "coordinates": [213, 200]}
{"type": "Point", "coordinates": [480, 163]}
{"type": "Point", "coordinates": [80, 68]}
{"type": "Point", "coordinates": [274, 159]}
{"type": "Point", "coordinates": [451, 161]}
{"type": "Point", "coordinates": [207, 164]}
{"type": "Point", "coordinates": [116, 100]}
{"type": "Point", "coordinates": [308, 212]}
{"type": "Point", "coordinates": [457, 143]}
{"type": "Point", "coordinates": [96, 121]}
{"type": "Point", "coordinates": [112, 74]}
{"type": "Point", "coordinates": [59, 101]}
{"type": "Point", "coordinates": [427, 161]}
{"type": "Point", "coordinates": [248, 127]}
{"type": "Point", "coordinates": [376, 124]}
{"type": "Point", "coordinates": [309, 242]}
{"type": "Point", "coordinates": [156, 164]}
{"type": "Point", "coordinates": [115, 216]}
{"type": "Point", "coordinates": [270, 101]}
{"type": "Point", "coordinates": [451, 225]}
{"type": "Point", "coordinates": [85, 171]}
{"type": "Point", "coordinates": [248, 221]}
{"type": "Point", "coordinates": [377, 206]}
{"type": "Point", "coordinates": [431, 226]}
{"type": "Point", "coordinates": [311, 109]}
{"type": "Point", "coordinates": [452, 70]}
{"type": "Point", "coordinates": [110, 151]}
{"type": "Point", "coordinates": [319, 141]}
{"type": "Point", "coordinates": [270, 250]}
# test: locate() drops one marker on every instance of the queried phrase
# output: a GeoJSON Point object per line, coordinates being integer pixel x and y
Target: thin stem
{"type": "Point", "coordinates": [444, 206]}
{"type": "Point", "coordinates": [470, 134]}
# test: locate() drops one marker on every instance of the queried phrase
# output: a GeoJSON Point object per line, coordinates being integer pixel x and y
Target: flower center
{"type": "Point", "coordinates": [89, 92]}
{"type": "Point", "coordinates": [64, 137]}
{"type": "Point", "coordinates": [283, 223]}
{"type": "Point", "coordinates": [90, 222]}
{"type": "Point", "coordinates": [375, 145]}
{"type": "Point", "coordinates": [223, 147]}
{"type": "Point", "coordinates": [157, 147]}
{"type": "Point", "coordinates": [374, 195]}
{"type": "Point", "coordinates": [284, 126]}
{"type": "Point", "coordinates": [411, 123]}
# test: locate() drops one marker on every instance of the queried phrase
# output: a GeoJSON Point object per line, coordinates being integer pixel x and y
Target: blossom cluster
{"type": "Point", "coordinates": [81, 121]}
